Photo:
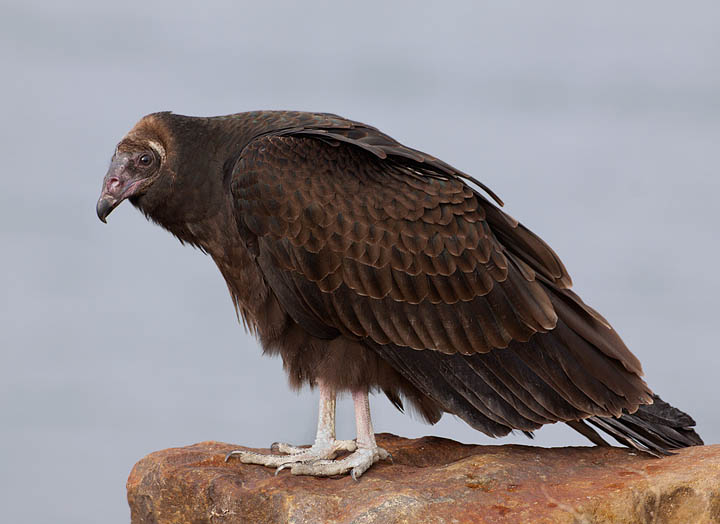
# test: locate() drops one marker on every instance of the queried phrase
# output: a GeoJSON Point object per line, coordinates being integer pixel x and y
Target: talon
{"type": "Point", "coordinates": [354, 475]}
{"type": "Point", "coordinates": [389, 458]}
{"type": "Point", "coordinates": [232, 454]}
{"type": "Point", "coordinates": [275, 446]}
{"type": "Point", "coordinates": [281, 467]}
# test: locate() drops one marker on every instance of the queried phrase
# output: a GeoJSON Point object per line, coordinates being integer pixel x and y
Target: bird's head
{"type": "Point", "coordinates": [140, 169]}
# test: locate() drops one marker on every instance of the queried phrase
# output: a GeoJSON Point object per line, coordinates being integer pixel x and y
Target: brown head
{"type": "Point", "coordinates": [142, 167]}
{"type": "Point", "coordinates": [170, 167]}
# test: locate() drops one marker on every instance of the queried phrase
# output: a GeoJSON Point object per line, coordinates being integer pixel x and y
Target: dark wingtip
{"type": "Point", "coordinates": [656, 428]}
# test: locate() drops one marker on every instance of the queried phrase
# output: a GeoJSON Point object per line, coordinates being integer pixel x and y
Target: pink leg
{"type": "Point", "coordinates": [326, 416]}
{"type": "Point", "coordinates": [363, 423]}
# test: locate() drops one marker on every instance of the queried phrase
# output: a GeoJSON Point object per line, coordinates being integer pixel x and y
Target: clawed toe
{"type": "Point", "coordinates": [322, 450]}
{"type": "Point", "coordinates": [234, 453]}
{"type": "Point", "coordinates": [317, 460]}
{"type": "Point", "coordinates": [356, 464]}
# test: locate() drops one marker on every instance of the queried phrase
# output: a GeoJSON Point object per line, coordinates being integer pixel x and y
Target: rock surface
{"type": "Point", "coordinates": [437, 481]}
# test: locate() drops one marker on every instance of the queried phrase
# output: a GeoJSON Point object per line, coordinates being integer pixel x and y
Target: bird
{"type": "Point", "coordinates": [371, 267]}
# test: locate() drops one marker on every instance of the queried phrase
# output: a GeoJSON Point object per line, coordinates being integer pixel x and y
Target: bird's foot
{"type": "Point", "coordinates": [321, 450]}
{"type": "Point", "coordinates": [356, 463]}
{"type": "Point", "coordinates": [317, 459]}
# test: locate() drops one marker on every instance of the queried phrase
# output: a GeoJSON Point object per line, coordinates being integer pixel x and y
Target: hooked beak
{"type": "Point", "coordinates": [118, 185]}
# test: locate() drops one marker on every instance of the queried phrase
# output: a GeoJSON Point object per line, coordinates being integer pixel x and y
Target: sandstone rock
{"type": "Point", "coordinates": [437, 481]}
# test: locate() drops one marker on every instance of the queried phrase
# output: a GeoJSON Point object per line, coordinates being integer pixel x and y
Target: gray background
{"type": "Point", "coordinates": [598, 124]}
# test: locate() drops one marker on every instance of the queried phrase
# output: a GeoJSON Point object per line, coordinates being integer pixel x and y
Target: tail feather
{"type": "Point", "coordinates": [656, 428]}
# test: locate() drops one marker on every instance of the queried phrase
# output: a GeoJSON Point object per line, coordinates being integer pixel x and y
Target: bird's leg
{"type": "Point", "coordinates": [325, 436]}
{"type": "Point", "coordinates": [325, 446]}
{"type": "Point", "coordinates": [358, 462]}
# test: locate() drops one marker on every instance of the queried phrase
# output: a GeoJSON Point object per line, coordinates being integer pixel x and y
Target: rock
{"type": "Point", "coordinates": [434, 480]}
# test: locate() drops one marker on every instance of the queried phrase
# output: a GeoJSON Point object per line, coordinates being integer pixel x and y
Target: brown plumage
{"type": "Point", "coordinates": [367, 264]}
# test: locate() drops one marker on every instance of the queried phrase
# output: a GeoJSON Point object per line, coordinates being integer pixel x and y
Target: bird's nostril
{"type": "Point", "coordinates": [113, 183]}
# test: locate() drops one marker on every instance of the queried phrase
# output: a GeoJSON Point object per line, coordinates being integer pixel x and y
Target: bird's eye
{"type": "Point", "coordinates": [146, 159]}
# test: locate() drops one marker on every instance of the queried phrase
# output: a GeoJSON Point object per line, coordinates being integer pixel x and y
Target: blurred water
{"type": "Point", "coordinates": [598, 125]}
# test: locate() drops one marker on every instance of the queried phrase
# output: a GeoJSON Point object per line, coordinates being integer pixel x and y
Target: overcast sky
{"type": "Point", "coordinates": [597, 124]}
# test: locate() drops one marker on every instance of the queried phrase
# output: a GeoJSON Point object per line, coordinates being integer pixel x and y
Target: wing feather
{"type": "Point", "coordinates": [386, 244]}
{"type": "Point", "coordinates": [362, 247]}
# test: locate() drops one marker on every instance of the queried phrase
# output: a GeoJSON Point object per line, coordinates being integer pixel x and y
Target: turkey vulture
{"type": "Point", "coordinates": [370, 266]}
